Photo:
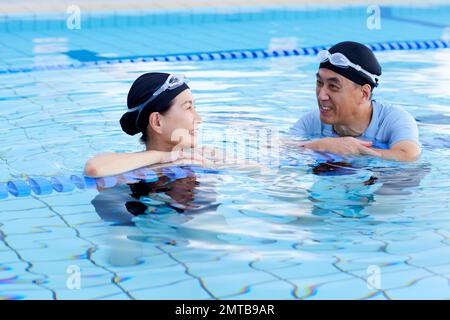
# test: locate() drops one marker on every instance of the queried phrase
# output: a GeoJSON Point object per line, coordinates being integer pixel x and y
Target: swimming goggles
{"type": "Point", "coordinates": [339, 60]}
{"type": "Point", "coordinates": [173, 81]}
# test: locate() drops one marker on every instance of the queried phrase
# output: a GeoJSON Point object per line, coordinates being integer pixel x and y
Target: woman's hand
{"type": "Point", "coordinates": [165, 157]}
{"type": "Point", "coordinates": [185, 157]}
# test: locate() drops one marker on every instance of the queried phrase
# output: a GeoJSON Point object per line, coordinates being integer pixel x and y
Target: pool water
{"type": "Point", "coordinates": [297, 228]}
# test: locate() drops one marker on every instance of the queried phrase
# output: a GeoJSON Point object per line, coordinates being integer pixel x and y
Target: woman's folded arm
{"type": "Point", "coordinates": [108, 164]}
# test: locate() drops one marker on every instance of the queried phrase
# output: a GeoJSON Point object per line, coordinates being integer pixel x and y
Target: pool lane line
{"type": "Point", "coordinates": [44, 185]}
{"type": "Point", "coordinates": [39, 185]}
{"type": "Point", "coordinates": [232, 55]}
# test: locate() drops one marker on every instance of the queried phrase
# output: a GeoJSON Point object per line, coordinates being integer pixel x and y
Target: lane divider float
{"type": "Point", "coordinates": [233, 55]}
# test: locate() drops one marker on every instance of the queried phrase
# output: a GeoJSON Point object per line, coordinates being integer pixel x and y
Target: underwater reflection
{"type": "Point", "coordinates": [153, 212]}
{"type": "Point", "coordinates": [347, 189]}
{"type": "Point", "coordinates": [184, 211]}
{"type": "Point", "coordinates": [122, 203]}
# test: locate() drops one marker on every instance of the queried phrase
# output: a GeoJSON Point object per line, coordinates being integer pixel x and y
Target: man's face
{"type": "Point", "coordinates": [338, 97]}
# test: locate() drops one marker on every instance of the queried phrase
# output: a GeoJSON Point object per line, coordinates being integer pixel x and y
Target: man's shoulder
{"type": "Point", "coordinates": [388, 112]}
{"type": "Point", "coordinates": [308, 124]}
{"type": "Point", "coordinates": [312, 115]}
{"type": "Point", "coordinates": [396, 124]}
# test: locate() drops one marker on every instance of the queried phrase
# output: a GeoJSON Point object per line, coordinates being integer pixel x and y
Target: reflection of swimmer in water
{"type": "Point", "coordinates": [342, 189]}
{"type": "Point", "coordinates": [346, 190]}
{"type": "Point", "coordinates": [166, 195]}
{"type": "Point", "coordinates": [155, 213]}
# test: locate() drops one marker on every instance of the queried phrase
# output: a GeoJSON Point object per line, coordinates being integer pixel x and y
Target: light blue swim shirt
{"type": "Point", "coordinates": [389, 125]}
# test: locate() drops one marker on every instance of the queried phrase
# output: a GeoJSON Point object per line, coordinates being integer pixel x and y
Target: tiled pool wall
{"type": "Point", "coordinates": [41, 21]}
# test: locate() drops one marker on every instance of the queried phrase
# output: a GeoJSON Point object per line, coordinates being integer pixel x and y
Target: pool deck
{"type": "Point", "coordinates": [48, 6]}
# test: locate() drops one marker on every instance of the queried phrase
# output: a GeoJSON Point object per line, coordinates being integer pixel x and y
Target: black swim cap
{"type": "Point", "coordinates": [141, 90]}
{"type": "Point", "coordinates": [358, 54]}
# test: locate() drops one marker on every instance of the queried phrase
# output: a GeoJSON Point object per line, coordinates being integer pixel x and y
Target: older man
{"type": "Point", "coordinates": [347, 120]}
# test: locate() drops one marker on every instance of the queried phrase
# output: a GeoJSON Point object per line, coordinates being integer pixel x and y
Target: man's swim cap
{"type": "Point", "coordinates": [141, 90]}
{"type": "Point", "coordinates": [358, 54]}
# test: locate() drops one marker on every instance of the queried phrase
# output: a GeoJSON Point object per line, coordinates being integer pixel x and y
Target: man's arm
{"type": "Point", "coordinates": [401, 151]}
{"type": "Point", "coordinates": [403, 136]}
{"type": "Point", "coordinates": [342, 146]}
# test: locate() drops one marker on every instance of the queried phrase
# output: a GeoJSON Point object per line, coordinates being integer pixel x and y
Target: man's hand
{"type": "Point", "coordinates": [343, 146]}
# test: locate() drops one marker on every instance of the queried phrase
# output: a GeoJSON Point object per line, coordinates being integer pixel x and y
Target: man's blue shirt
{"type": "Point", "coordinates": [388, 126]}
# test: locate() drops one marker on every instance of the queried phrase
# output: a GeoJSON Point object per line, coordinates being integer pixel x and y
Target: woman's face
{"type": "Point", "coordinates": [179, 125]}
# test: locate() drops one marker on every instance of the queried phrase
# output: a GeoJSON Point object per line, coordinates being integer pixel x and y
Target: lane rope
{"type": "Point", "coordinates": [233, 55]}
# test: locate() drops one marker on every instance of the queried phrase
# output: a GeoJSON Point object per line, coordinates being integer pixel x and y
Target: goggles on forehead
{"type": "Point", "coordinates": [173, 81]}
{"type": "Point", "coordinates": [340, 60]}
